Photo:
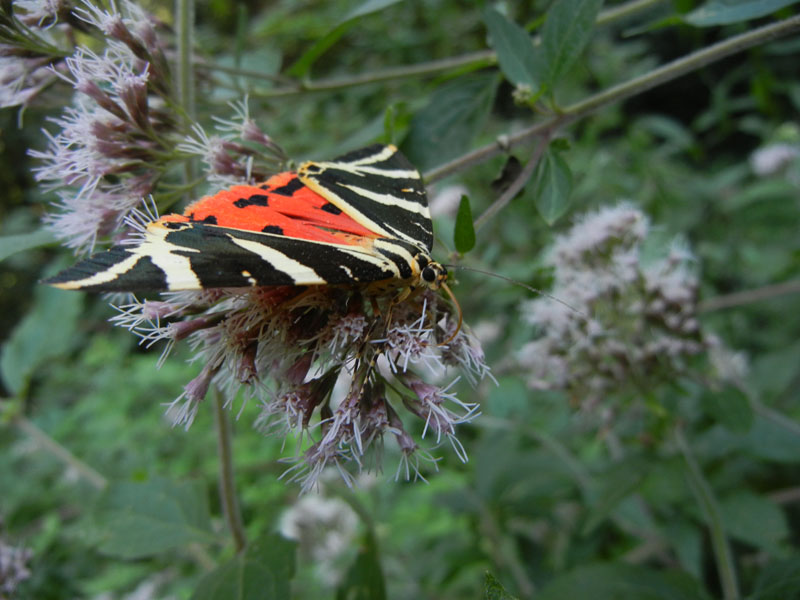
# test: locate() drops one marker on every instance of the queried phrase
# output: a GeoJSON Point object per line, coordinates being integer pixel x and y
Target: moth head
{"type": "Point", "coordinates": [433, 275]}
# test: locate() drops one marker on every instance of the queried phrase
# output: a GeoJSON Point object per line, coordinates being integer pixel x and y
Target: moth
{"type": "Point", "coordinates": [360, 218]}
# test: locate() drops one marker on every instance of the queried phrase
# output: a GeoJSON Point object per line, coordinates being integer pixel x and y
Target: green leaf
{"type": "Point", "coordinates": [464, 234]}
{"type": "Point", "coordinates": [623, 582]}
{"type": "Point", "coordinates": [302, 65]}
{"type": "Point", "coordinates": [619, 482]}
{"type": "Point", "coordinates": [722, 12]}
{"type": "Point", "coordinates": [566, 32]}
{"type": "Point", "coordinates": [364, 580]}
{"type": "Point", "coordinates": [514, 47]}
{"type": "Point", "coordinates": [11, 244]}
{"type": "Point", "coordinates": [142, 519]}
{"type": "Point", "coordinates": [729, 407]}
{"type": "Point", "coordinates": [47, 331]}
{"type": "Point", "coordinates": [388, 124]}
{"type": "Point", "coordinates": [262, 572]}
{"type": "Point", "coordinates": [778, 581]}
{"type": "Point", "coordinates": [455, 113]}
{"type": "Point", "coordinates": [769, 440]}
{"type": "Point", "coordinates": [552, 186]}
{"type": "Point", "coordinates": [368, 7]}
{"type": "Point", "coordinates": [494, 590]}
{"type": "Point", "coordinates": [754, 519]}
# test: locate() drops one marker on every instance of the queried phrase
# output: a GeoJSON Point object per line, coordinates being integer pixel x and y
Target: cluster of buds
{"type": "Point", "coordinates": [118, 141]}
{"type": "Point", "coordinates": [618, 321]}
{"type": "Point", "coordinates": [13, 569]}
{"type": "Point", "coordinates": [340, 362]}
{"type": "Point", "coordinates": [106, 153]}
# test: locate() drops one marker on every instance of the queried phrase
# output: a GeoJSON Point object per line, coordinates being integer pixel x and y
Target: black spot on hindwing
{"type": "Point", "coordinates": [331, 208]}
{"type": "Point", "coordinates": [290, 188]}
{"type": "Point", "coordinates": [254, 200]}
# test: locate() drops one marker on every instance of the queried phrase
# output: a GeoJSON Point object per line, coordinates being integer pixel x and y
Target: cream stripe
{"type": "Point", "coordinates": [389, 200]}
{"type": "Point", "coordinates": [302, 274]}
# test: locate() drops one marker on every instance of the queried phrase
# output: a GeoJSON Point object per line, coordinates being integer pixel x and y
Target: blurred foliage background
{"type": "Point", "coordinates": [551, 504]}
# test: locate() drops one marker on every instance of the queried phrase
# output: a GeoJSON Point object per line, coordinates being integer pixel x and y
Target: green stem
{"type": "Point", "coordinates": [708, 504]}
{"type": "Point", "coordinates": [471, 60]}
{"type": "Point", "coordinates": [96, 480]}
{"type": "Point", "coordinates": [184, 23]}
{"type": "Point", "coordinates": [515, 186]}
{"type": "Point", "coordinates": [623, 11]}
{"type": "Point", "coordinates": [622, 91]}
{"type": "Point", "coordinates": [227, 484]}
{"type": "Point", "coordinates": [766, 292]}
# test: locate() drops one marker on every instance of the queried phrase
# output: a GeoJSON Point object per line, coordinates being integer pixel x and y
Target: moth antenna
{"type": "Point", "coordinates": [520, 284]}
{"type": "Point", "coordinates": [460, 314]}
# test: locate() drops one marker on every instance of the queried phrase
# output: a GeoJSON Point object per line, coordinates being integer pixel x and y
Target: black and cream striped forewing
{"type": "Point", "coordinates": [377, 187]}
{"type": "Point", "coordinates": [193, 256]}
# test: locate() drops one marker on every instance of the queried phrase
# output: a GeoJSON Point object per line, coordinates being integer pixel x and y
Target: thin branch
{"type": "Point", "coordinates": [515, 186]}
{"type": "Point", "coordinates": [94, 477]}
{"type": "Point", "coordinates": [785, 496]}
{"type": "Point", "coordinates": [227, 484]}
{"type": "Point", "coordinates": [708, 504]}
{"type": "Point", "coordinates": [619, 92]}
{"type": "Point", "coordinates": [184, 20]}
{"type": "Point", "coordinates": [623, 11]}
{"type": "Point", "coordinates": [433, 67]}
{"type": "Point", "coordinates": [776, 417]}
{"type": "Point", "coordinates": [749, 296]}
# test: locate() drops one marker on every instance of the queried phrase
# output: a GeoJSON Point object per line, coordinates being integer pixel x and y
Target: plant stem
{"type": "Point", "coordinates": [515, 186]}
{"type": "Point", "coordinates": [628, 89]}
{"type": "Point", "coordinates": [474, 59]}
{"type": "Point", "coordinates": [749, 296]}
{"type": "Point", "coordinates": [624, 11]}
{"type": "Point", "coordinates": [91, 475]}
{"type": "Point", "coordinates": [227, 484]}
{"type": "Point", "coordinates": [184, 23]}
{"type": "Point", "coordinates": [708, 504]}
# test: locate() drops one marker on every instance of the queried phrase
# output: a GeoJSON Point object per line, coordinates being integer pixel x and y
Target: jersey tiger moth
{"type": "Point", "coordinates": [357, 219]}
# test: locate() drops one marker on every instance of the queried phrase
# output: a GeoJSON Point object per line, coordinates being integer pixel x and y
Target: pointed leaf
{"type": "Point", "coordinates": [302, 65]}
{"type": "Point", "coordinates": [552, 186]}
{"type": "Point", "coordinates": [623, 582]}
{"type": "Point", "coordinates": [11, 244]}
{"type": "Point", "coordinates": [453, 116]}
{"type": "Point", "coordinates": [47, 331]}
{"type": "Point", "coordinates": [754, 519]}
{"type": "Point", "coordinates": [567, 29]}
{"type": "Point", "coordinates": [722, 12]}
{"type": "Point", "coordinates": [494, 590]}
{"type": "Point", "coordinates": [778, 581]}
{"type": "Point", "coordinates": [514, 47]}
{"type": "Point", "coordinates": [263, 571]}
{"type": "Point", "coordinates": [364, 579]}
{"type": "Point", "coordinates": [617, 483]}
{"type": "Point", "coordinates": [464, 235]}
{"type": "Point", "coordinates": [729, 407]}
{"type": "Point", "coordinates": [142, 519]}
